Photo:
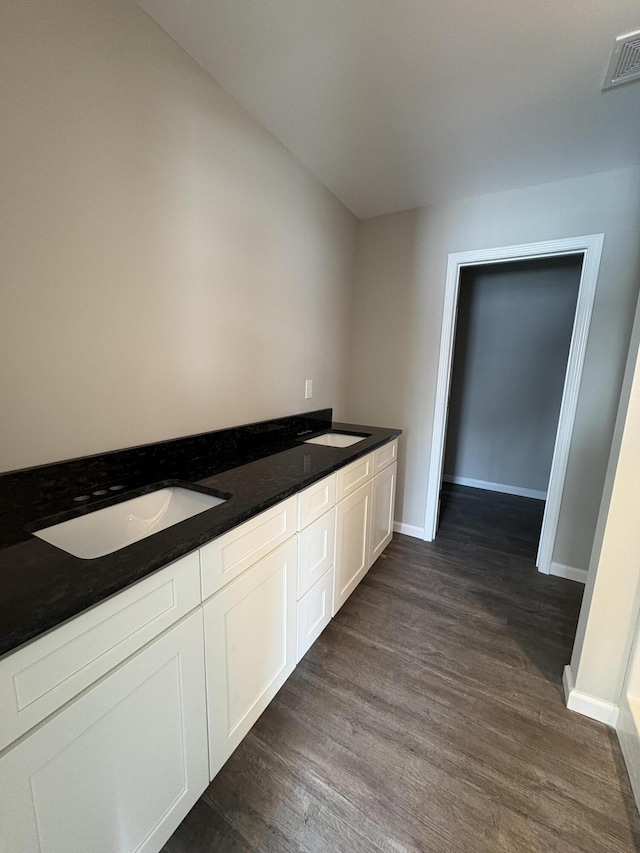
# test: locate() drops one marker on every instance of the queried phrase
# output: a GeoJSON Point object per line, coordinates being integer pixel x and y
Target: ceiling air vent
{"type": "Point", "coordinates": [625, 60]}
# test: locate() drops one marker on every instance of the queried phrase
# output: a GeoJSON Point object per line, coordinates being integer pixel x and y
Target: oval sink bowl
{"type": "Point", "coordinates": [336, 439]}
{"type": "Point", "coordinates": [104, 531]}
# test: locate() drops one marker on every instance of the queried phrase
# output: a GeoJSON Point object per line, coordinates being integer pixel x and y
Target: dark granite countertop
{"type": "Point", "coordinates": [42, 586]}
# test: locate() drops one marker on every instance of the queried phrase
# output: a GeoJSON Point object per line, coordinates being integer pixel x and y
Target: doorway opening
{"type": "Point", "coordinates": [552, 451]}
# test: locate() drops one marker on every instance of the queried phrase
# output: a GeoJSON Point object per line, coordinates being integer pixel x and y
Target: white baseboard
{"type": "Point", "coordinates": [588, 706]}
{"type": "Point", "coordinates": [496, 487]}
{"type": "Point", "coordinates": [628, 731]}
{"type": "Point", "coordinates": [567, 683]}
{"type": "Point", "coordinates": [408, 530]}
{"type": "Point", "coordinates": [569, 572]}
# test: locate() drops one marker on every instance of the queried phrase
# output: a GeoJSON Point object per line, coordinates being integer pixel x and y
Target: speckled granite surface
{"type": "Point", "coordinates": [257, 465]}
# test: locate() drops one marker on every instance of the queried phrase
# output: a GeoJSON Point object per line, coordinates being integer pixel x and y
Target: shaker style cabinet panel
{"type": "Point", "coordinates": [316, 547]}
{"type": "Point", "coordinates": [382, 506]}
{"type": "Point", "coordinates": [118, 769]}
{"type": "Point", "coordinates": [314, 612]}
{"type": "Point", "coordinates": [316, 500]}
{"type": "Point", "coordinates": [352, 543]}
{"type": "Point", "coordinates": [250, 643]}
{"type": "Point", "coordinates": [352, 476]}
{"type": "Point", "coordinates": [384, 456]}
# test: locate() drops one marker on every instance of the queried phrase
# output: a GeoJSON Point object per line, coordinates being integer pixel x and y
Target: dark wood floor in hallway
{"type": "Point", "coordinates": [429, 715]}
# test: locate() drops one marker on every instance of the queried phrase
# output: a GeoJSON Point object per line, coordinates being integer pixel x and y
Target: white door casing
{"type": "Point", "coordinates": [590, 247]}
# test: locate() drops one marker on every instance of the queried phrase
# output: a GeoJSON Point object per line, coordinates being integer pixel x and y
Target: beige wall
{"type": "Point", "coordinates": [167, 266]}
{"type": "Point", "coordinates": [398, 305]}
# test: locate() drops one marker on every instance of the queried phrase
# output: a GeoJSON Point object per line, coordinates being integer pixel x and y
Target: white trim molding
{"type": "Point", "coordinates": [590, 247]}
{"type": "Point", "coordinates": [408, 529]}
{"type": "Point", "coordinates": [569, 572]}
{"type": "Point", "coordinates": [505, 489]}
{"type": "Point", "coordinates": [588, 706]}
{"type": "Point", "coordinates": [628, 731]}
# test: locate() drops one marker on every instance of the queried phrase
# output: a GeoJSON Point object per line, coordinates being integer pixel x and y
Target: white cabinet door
{"type": "Point", "coordinates": [352, 543]}
{"type": "Point", "coordinates": [383, 501]}
{"type": "Point", "coordinates": [314, 612]}
{"type": "Point", "coordinates": [119, 768]}
{"type": "Point", "coordinates": [250, 642]}
{"type": "Point", "coordinates": [316, 551]}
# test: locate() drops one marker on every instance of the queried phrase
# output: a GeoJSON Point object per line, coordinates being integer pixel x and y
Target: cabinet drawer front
{"type": "Point", "coordinates": [384, 456]}
{"type": "Point", "coordinates": [250, 647]}
{"type": "Point", "coordinates": [353, 476]}
{"type": "Point", "coordinates": [314, 613]}
{"type": "Point", "coordinates": [316, 500]}
{"type": "Point", "coordinates": [38, 679]}
{"type": "Point", "coordinates": [316, 546]}
{"type": "Point", "coordinates": [120, 767]}
{"type": "Point", "coordinates": [228, 556]}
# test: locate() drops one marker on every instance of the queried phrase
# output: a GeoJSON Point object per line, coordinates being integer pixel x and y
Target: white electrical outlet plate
{"type": "Point", "coordinates": [308, 389]}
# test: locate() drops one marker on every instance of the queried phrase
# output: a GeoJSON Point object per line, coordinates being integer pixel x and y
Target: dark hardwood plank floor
{"type": "Point", "coordinates": [429, 715]}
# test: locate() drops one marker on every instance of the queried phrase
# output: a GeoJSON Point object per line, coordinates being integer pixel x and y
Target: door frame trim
{"type": "Point", "coordinates": [590, 247]}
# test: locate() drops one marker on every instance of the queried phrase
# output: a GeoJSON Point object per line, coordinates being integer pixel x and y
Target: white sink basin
{"type": "Point", "coordinates": [107, 530]}
{"type": "Point", "coordinates": [336, 439]}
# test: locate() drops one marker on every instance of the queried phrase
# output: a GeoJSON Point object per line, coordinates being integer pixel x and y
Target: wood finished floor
{"type": "Point", "coordinates": [429, 715]}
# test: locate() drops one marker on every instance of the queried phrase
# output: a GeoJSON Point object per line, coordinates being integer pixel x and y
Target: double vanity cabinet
{"type": "Point", "coordinates": [113, 724]}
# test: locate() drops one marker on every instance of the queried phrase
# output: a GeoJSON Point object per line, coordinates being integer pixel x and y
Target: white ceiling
{"type": "Point", "coordinates": [395, 104]}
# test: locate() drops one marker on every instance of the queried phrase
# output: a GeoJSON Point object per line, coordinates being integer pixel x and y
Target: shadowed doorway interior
{"type": "Point", "coordinates": [513, 335]}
